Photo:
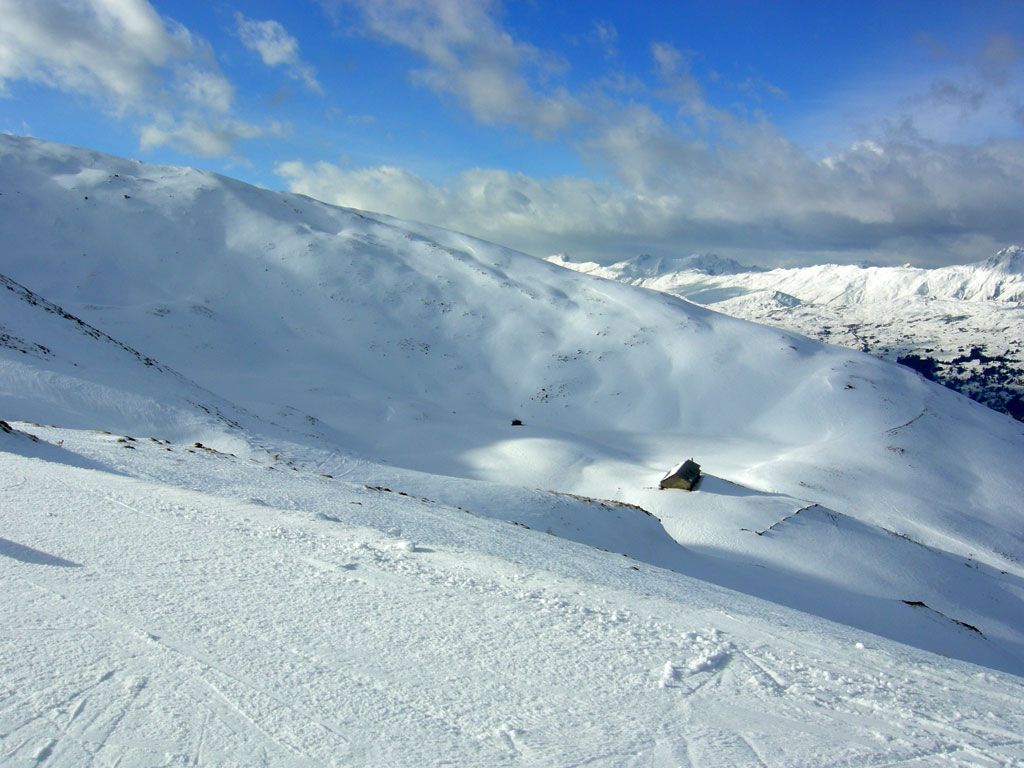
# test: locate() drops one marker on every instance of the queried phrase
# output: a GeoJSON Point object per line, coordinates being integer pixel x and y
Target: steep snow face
{"type": "Point", "coordinates": [58, 368]}
{"type": "Point", "coordinates": [836, 483]}
{"type": "Point", "coordinates": [963, 326]}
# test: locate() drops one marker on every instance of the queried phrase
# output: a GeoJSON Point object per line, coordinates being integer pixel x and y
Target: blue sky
{"type": "Point", "coordinates": [772, 132]}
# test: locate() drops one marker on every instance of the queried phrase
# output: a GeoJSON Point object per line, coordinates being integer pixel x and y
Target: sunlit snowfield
{"type": "Point", "coordinates": [362, 560]}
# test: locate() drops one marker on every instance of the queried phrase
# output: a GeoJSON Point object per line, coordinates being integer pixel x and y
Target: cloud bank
{"type": "Point", "coordinates": [679, 173]}
{"type": "Point", "coordinates": [765, 201]}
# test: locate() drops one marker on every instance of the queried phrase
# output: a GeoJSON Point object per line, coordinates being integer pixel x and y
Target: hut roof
{"type": "Point", "coordinates": [682, 475]}
{"type": "Point", "coordinates": [689, 470]}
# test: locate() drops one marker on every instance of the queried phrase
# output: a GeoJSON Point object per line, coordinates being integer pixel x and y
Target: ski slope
{"type": "Point", "coordinates": [346, 568]}
{"type": "Point", "coordinates": [322, 622]}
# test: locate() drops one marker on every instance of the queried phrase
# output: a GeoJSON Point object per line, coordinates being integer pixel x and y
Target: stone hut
{"type": "Point", "coordinates": [684, 476]}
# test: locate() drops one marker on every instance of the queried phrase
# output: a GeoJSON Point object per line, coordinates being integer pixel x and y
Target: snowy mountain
{"type": "Point", "coordinates": [263, 502]}
{"type": "Point", "coordinates": [646, 266]}
{"type": "Point", "coordinates": [1009, 261]}
{"type": "Point", "coordinates": [962, 325]}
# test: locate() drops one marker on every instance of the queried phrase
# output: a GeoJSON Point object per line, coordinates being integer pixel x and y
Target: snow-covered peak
{"type": "Point", "coordinates": [967, 320]}
{"type": "Point", "coordinates": [646, 265]}
{"type": "Point", "coordinates": [998, 278]}
{"type": "Point", "coordinates": [659, 272]}
{"type": "Point", "coordinates": [1009, 260]}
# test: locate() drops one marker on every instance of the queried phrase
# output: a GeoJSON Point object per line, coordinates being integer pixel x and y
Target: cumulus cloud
{"type": "Point", "coordinates": [276, 48]}
{"type": "Point", "coordinates": [131, 61]}
{"type": "Point", "coordinates": [111, 49]}
{"type": "Point", "coordinates": [468, 56]}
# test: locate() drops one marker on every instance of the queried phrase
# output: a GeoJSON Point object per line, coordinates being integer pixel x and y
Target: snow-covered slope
{"type": "Point", "coordinates": [81, 376]}
{"type": "Point", "coordinates": [366, 337]}
{"type": "Point", "coordinates": [961, 325]}
{"type": "Point", "coordinates": [308, 348]}
{"type": "Point", "coordinates": [293, 620]}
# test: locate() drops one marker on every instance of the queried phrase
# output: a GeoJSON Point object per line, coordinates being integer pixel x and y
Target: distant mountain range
{"type": "Point", "coordinates": [962, 325]}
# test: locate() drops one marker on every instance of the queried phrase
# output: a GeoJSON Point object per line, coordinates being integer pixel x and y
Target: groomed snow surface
{"type": "Point", "coordinates": [326, 623]}
{"type": "Point", "coordinates": [262, 503]}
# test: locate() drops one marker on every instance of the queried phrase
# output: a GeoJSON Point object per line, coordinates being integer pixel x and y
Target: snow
{"type": "Point", "coordinates": [276, 513]}
{"type": "Point", "coordinates": [967, 319]}
{"type": "Point", "coordinates": [159, 625]}
{"type": "Point", "coordinates": [997, 278]}
{"type": "Point", "coordinates": [1009, 261]}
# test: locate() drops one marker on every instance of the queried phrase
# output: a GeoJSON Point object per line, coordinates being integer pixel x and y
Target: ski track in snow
{"type": "Point", "coordinates": [201, 630]}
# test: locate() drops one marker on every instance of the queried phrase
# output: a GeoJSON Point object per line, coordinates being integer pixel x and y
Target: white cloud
{"type": "Point", "coordinates": [763, 200]}
{"type": "Point", "coordinates": [699, 178]}
{"type": "Point", "coordinates": [131, 61]}
{"type": "Point", "coordinates": [510, 208]}
{"type": "Point", "coordinates": [110, 49]}
{"type": "Point", "coordinates": [958, 97]}
{"type": "Point", "coordinates": [205, 88]}
{"type": "Point", "coordinates": [205, 137]}
{"type": "Point", "coordinates": [978, 96]}
{"type": "Point", "coordinates": [606, 36]}
{"type": "Point", "coordinates": [468, 56]}
{"type": "Point", "coordinates": [276, 48]}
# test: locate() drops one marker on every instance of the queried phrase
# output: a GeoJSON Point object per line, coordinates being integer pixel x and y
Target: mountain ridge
{"type": "Point", "coordinates": [363, 344]}
{"type": "Point", "coordinates": [960, 325]}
